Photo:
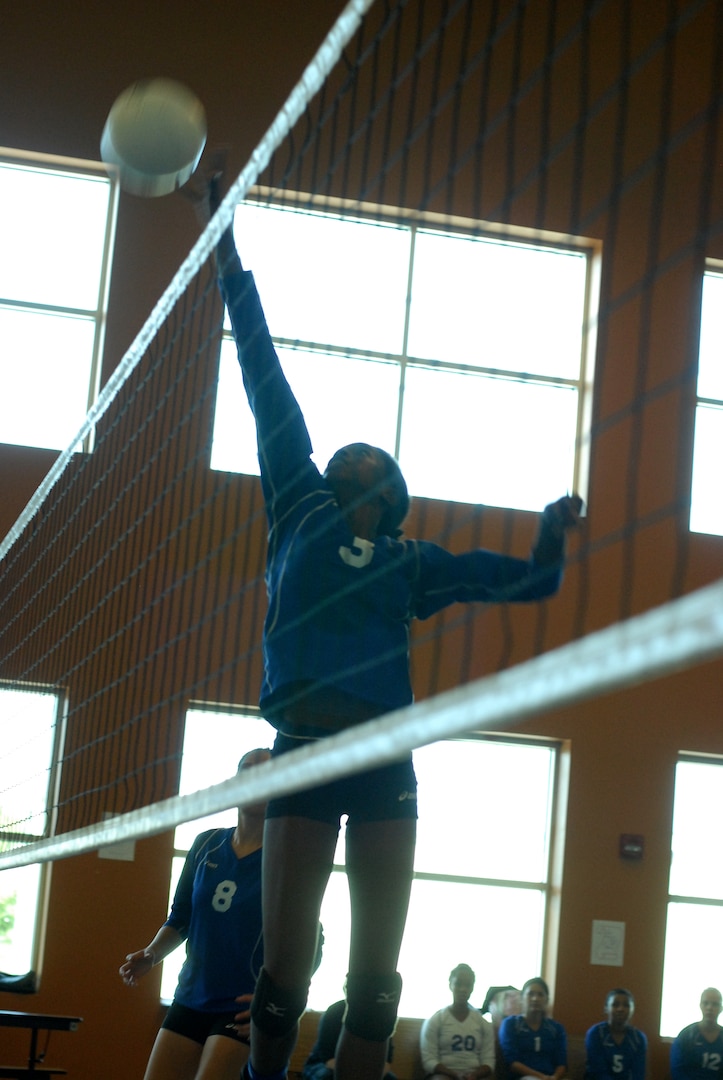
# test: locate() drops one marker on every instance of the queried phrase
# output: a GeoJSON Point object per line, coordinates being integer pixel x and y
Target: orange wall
{"type": "Point", "coordinates": [61, 66]}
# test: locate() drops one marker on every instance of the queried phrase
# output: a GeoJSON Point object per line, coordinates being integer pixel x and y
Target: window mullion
{"type": "Point", "coordinates": [405, 340]}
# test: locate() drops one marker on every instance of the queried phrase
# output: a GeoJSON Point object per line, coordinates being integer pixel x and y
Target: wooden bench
{"type": "Point", "coordinates": [407, 1063]}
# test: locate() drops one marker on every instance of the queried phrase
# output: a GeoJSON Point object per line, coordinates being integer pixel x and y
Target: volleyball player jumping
{"type": "Point", "coordinates": [342, 591]}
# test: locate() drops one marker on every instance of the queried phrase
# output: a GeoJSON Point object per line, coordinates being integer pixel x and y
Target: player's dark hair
{"type": "Point", "coordinates": [619, 990]}
{"type": "Point", "coordinates": [395, 513]}
{"type": "Point", "coordinates": [392, 484]}
{"type": "Point", "coordinates": [462, 969]}
{"type": "Point", "coordinates": [539, 981]}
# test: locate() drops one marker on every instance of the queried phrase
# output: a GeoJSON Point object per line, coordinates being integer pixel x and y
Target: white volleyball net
{"type": "Point", "coordinates": [482, 137]}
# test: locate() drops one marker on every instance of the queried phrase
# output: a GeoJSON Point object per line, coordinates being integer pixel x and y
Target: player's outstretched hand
{"type": "Point", "coordinates": [563, 514]}
{"type": "Point", "coordinates": [136, 965]}
{"type": "Point", "coordinates": [203, 190]}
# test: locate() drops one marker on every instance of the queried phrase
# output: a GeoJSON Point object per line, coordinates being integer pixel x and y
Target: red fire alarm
{"type": "Point", "coordinates": [631, 846]}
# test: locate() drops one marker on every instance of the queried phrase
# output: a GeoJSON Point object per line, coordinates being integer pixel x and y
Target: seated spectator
{"type": "Point", "coordinates": [533, 1045]}
{"type": "Point", "coordinates": [501, 1001]}
{"type": "Point", "coordinates": [614, 1049]}
{"type": "Point", "coordinates": [320, 1063]}
{"type": "Point", "coordinates": [697, 1053]}
{"type": "Point", "coordinates": [457, 1041]}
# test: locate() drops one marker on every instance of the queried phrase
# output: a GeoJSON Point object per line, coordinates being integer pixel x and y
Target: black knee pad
{"type": "Point", "coordinates": [372, 1004]}
{"type": "Point", "coordinates": [274, 1009]}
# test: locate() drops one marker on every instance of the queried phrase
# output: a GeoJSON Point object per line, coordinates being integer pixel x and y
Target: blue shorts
{"type": "Point", "coordinates": [383, 794]}
{"type": "Point", "coordinates": [199, 1026]}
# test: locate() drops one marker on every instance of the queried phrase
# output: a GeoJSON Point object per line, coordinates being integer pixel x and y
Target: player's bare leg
{"type": "Point", "coordinates": [298, 855]}
{"type": "Point", "coordinates": [380, 861]}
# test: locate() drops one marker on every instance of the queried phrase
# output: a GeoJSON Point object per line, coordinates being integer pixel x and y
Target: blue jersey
{"type": "Point", "coordinates": [340, 606]}
{"type": "Point", "coordinates": [607, 1059]}
{"type": "Point", "coordinates": [692, 1057]}
{"type": "Point", "coordinates": [544, 1049]}
{"type": "Point", "coordinates": [217, 909]}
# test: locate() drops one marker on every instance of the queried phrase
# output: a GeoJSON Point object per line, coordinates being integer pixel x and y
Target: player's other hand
{"type": "Point", "coordinates": [563, 514]}
{"type": "Point", "coordinates": [136, 965]}
{"type": "Point", "coordinates": [243, 1018]}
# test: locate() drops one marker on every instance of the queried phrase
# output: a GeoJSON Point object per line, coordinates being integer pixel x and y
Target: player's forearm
{"type": "Point", "coordinates": [227, 257]}
{"type": "Point", "coordinates": [166, 940]}
{"type": "Point", "coordinates": [549, 549]}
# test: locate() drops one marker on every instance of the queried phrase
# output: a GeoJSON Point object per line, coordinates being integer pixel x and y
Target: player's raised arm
{"type": "Point", "coordinates": [283, 441]}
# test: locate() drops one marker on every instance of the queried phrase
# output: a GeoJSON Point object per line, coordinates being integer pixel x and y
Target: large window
{"type": "Point", "coordinates": [57, 233]}
{"type": "Point", "coordinates": [465, 353]}
{"type": "Point", "coordinates": [480, 863]}
{"type": "Point", "coordinates": [32, 727]}
{"type": "Point", "coordinates": [695, 903]}
{"type": "Point", "coordinates": [706, 511]}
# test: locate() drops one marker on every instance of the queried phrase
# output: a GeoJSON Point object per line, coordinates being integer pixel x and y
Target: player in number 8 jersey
{"type": "Point", "coordinates": [697, 1053]}
{"type": "Point", "coordinates": [614, 1049]}
{"type": "Point", "coordinates": [217, 911]}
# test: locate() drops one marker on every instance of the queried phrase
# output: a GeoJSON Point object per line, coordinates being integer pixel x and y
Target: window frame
{"type": "Point", "coordinates": [20, 837]}
{"type": "Point", "coordinates": [65, 165]}
{"type": "Point", "coordinates": [713, 268]}
{"type": "Point", "coordinates": [685, 988]}
{"type": "Point", "coordinates": [549, 888]}
{"type": "Point", "coordinates": [456, 226]}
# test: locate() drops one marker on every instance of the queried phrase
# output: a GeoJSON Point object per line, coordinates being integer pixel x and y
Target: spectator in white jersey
{"type": "Point", "coordinates": [217, 911]}
{"type": "Point", "coordinates": [457, 1041]}
{"type": "Point", "coordinates": [697, 1052]}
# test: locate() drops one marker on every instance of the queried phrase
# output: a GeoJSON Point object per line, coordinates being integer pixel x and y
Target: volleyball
{"type": "Point", "coordinates": [154, 136]}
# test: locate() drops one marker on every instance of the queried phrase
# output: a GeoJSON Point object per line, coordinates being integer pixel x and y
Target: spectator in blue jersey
{"type": "Point", "coordinates": [320, 1063]}
{"type": "Point", "coordinates": [343, 589]}
{"type": "Point", "coordinates": [532, 1043]}
{"type": "Point", "coordinates": [217, 911]}
{"type": "Point", "coordinates": [457, 1041]}
{"type": "Point", "coordinates": [614, 1049]}
{"type": "Point", "coordinates": [697, 1053]}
